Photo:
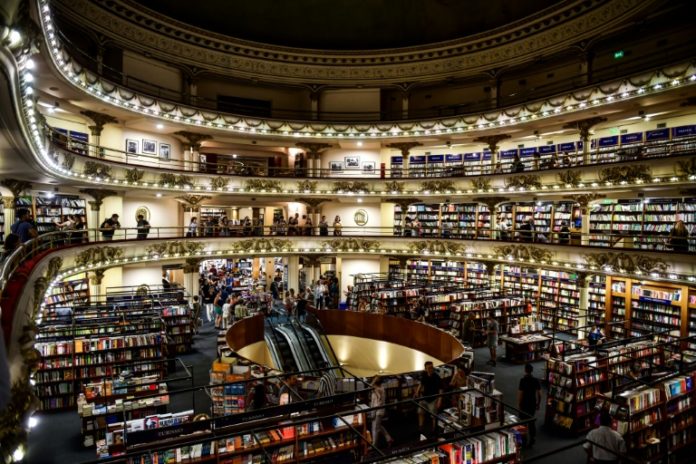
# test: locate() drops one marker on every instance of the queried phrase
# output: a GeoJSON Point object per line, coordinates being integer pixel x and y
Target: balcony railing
{"type": "Point", "coordinates": [63, 147]}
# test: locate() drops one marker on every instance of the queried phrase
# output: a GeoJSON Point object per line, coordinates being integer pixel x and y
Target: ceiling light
{"type": "Point", "coordinates": [14, 37]}
{"type": "Point", "coordinates": [29, 64]}
{"type": "Point", "coordinates": [158, 195]}
{"type": "Point", "coordinates": [359, 143]}
{"type": "Point", "coordinates": [160, 126]}
{"type": "Point", "coordinates": [234, 155]}
{"type": "Point", "coordinates": [359, 200]}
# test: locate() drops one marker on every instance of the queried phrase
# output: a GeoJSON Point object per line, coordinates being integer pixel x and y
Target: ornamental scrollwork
{"type": "Point", "coordinates": [167, 179]}
{"type": "Point", "coordinates": [624, 262]}
{"type": "Point", "coordinates": [98, 255]}
{"type": "Point", "coordinates": [68, 161]}
{"type": "Point", "coordinates": [348, 186]}
{"type": "Point", "coordinates": [134, 175]}
{"type": "Point", "coordinates": [687, 167]}
{"type": "Point", "coordinates": [572, 178]}
{"type": "Point", "coordinates": [53, 267]}
{"type": "Point", "coordinates": [218, 183]}
{"type": "Point", "coordinates": [435, 247]}
{"type": "Point", "coordinates": [524, 181]}
{"type": "Point", "coordinates": [193, 201]}
{"type": "Point", "coordinates": [40, 288]}
{"type": "Point", "coordinates": [524, 252]}
{"type": "Point", "coordinates": [437, 186]}
{"type": "Point", "coordinates": [95, 169]}
{"type": "Point", "coordinates": [394, 186]}
{"type": "Point", "coordinates": [192, 265]}
{"type": "Point", "coordinates": [262, 245]}
{"type": "Point", "coordinates": [481, 183]}
{"type": "Point", "coordinates": [630, 173]}
{"type": "Point", "coordinates": [180, 247]}
{"type": "Point", "coordinates": [306, 186]}
{"type": "Point", "coordinates": [351, 244]}
{"type": "Point", "coordinates": [263, 184]}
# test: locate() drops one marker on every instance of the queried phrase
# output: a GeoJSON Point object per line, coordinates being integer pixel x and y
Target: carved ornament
{"type": "Point", "coordinates": [351, 186]}
{"type": "Point", "coordinates": [68, 161]}
{"type": "Point", "coordinates": [524, 253]}
{"type": "Point", "coordinates": [98, 255]}
{"type": "Point", "coordinates": [174, 180]}
{"type": "Point", "coordinates": [351, 244]}
{"type": "Point", "coordinates": [687, 167]}
{"type": "Point", "coordinates": [16, 186]}
{"type": "Point", "coordinates": [262, 245]}
{"type": "Point", "coordinates": [53, 268]}
{"type": "Point", "coordinates": [629, 173]}
{"type": "Point", "coordinates": [192, 265]}
{"type": "Point", "coordinates": [193, 201]}
{"type": "Point", "coordinates": [526, 181]}
{"type": "Point", "coordinates": [624, 262]}
{"type": "Point", "coordinates": [217, 183]}
{"type": "Point", "coordinates": [306, 186]}
{"type": "Point", "coordinates": [174, 247]}
{"type": "Point", "coordinates": [394, 186]}
{"type": "Point", "coordinates": [435, 247]}
{"type": "Point", "coordinates": [437, 186]}
{"type": "Point", "coordinates": [264, 184]}
{"type": "Point", "coordinates": [134, 175]}
{"type": "Point", "coordinates": [569, 177]}
{"type": "Point", "coordinates": [97, 276]}
{"type": "Point", "coordinates": [481, 183]}
{"type": "Point", "coordinates": [92, 168]}
{"type": "Point", "coordinates": [491, 202]}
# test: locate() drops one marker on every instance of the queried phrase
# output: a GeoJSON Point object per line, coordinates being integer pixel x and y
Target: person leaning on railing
{"type": "Point", "coordinates": [679, 237]}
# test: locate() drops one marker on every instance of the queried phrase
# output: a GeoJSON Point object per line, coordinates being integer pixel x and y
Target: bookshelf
{"type": "Point", "coordinates": [596, 303]}
{"type": "Point", "coordinates": [179, 324]}
{"type": "Point", "coordinates": [559, 300]}
{"type": "Point", "coordinates": [456, 220]}
{"type": "Point", "coordinates": [574, 385]}
{"type": "Point", "coordinates": [600, 224]}
{"type": "Point", "coordinates": [502, 308]}
{"type": "Point", "coordinates": [229, 398]}
{"type": "Point", "coordinates": [50, 210]}
{"type": "Point", "coordinates": [2, 224]}
{"type": "Point", "coordinates": [68, 293]}
{"type": "Point", "coordinates": [93, 345]}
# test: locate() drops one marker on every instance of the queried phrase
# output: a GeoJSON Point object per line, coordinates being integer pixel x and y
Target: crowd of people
{"type": "Point", "coordinates": [294, 226]}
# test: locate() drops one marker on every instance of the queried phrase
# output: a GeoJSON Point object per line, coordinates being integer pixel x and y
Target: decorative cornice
{"type": "Point", "coordinates": [16, 186]}
{"type": "Point", "coordinates": [569, 177]}
{"type": "Point", "coordinates": [98, 255]}
{"type": "Point", "coordinates": [98, 195]}
{"type": "Point", "coordinates": [525, 252]}
{"type": "Point", "coordinates": [435, 247]}
{"type": "Point", "coordinates": [98, 170]}
{"type": "Point", "coordinates": [525, 181]}
{"type": "Point", "coordinates": [518, 42]}
{"type": "Point", "coordinates": [350, 244]}
{"type": "Point", "coordinates": [492, 141]}
{"type": "Point", "coordinates": [263, 184]}
{"type": "Point", "coordinates": [99, 119]}
{"type": "Point", "coordinates": [584, 199]}
{"type": "Point", "coordinates": [175, 247]}
{"type": "Point", "coordinates": [437, 186]}
{"type": "Point", "coordinates": [193, 202]}
{"type": "Point", "coordinates": [97, 276]}
{"type": "Point", "coordinates": [351, 186]}
{"type": "Point", "coordinates": [626, 174]}
{"type": "Point", "coordinates": [583, 126]}
{"type": "Point", "coordinates": [134, 175]}
{"type": "Point", "coordinates": [686, 167]}
{"type": "Point", "coordinates": [481, 184]}
{"type": "Point", "coordinates": [626, 263]}
{"type": "Point", "coordinates": [394, 186]}
{"type": "Point", "coordinates": [404, 147]}
{"type": "Point", "coordinates": [307, 186]}
{"type": "Point", "coordinates": [219, 183]}
{"type": "Point", "coordinates": [262, 245]}
{"type": "Point", "coordinates": [166, 179]}
{"type": "Point", "coordinates": [192, 265]}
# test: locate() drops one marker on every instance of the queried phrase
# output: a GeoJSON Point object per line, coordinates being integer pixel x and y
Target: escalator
{"type": "Point", "coordinates": [280, 349]}
{"type": "Point", "coordinates": [298, 346]}
{"type": "Point", "coordinates": [313, 347]}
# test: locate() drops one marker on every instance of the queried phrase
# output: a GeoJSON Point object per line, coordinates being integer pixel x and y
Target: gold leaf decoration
{"type": "Point", "coordinates": [481, 183]}
{"type": "Point", "coordinates": [219, 182]}
{"type": "Point", "coordinates": [687, 167]}
{"type": "Point", "coordinates": [95, 169]}
{"type": "Point", "coordinates": [348, 244]}
{"type": "Point", "coordinates": [569, 177]}
{"type": "Point", "coordinates": [98, 255]}
{"type": "Point", "coordinates": [306, 186]}
{"type": "Point", "coordinates": [174, 247]}
{"type": "Point", "coordinates": [438, 186]}
{"type": "Point", "coordinates": [134, 175]}
{"type": "Point", "coordinates": [624, 262]}
{"type": "Point", "coordinates": [263, 184]}
{"type": "Point", "coordinates": [348, 186]}
{"type": "Point", "coordinates": [68, 161]}
{"type": "Point", "coordinates": [262, 244]}
{"type": "Point", "coordinates": [630, 173]}
{"type": "Point", "coordinates": [524, 181]}
{"type": "Point", "coordinates": [167, 179]}
{"type": "Point", "coordinates": [393, 186]}
{"type": "Point", "coordinates": [524, 253]}
{"type": "Point", "coordinates": [434, 247]}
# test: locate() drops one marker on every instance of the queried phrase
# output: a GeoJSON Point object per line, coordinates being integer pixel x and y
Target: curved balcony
{"type": "Point", "coordinates": [659, 165]}
{"type": "Point", "coordinates": [576, 101]}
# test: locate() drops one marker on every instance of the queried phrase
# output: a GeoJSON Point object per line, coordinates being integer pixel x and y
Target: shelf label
{"type": "Point", "coordinates": [657, 134]}
{"type": "Point", "coordinates": [683, 131]}
{"type": "Point", "coordinates": [436, 158]}
{"type": "Point", "coordinates": [607, 141]}
{"type": "Point", "coordinates": [397, 160]}
{"type": "Point", "coordinates": [508, 153]}
{"type": "Point", "coordinates": [417, 159]}
{"type": "Point", "coordinates": [547, 149]}
{"type": "Point", "coordinates": [454, 158]}
{"type": "Point", "coordinates": [635, 137]}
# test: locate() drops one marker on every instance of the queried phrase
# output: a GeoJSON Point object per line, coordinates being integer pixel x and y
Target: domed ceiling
{"type": "Point", "coordinates": [349, 24]}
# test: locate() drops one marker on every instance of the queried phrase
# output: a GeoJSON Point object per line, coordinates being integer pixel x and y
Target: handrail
{"type": "Point", "coordinates": [542, 163]}
{"type": "Point", "coordinates": [61, 239]}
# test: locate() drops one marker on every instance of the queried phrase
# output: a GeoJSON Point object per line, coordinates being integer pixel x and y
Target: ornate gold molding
{"type": "Point", "coordinates": [435, 247]}
{"type": "Point", "coordinates": [219, 182]}
{"type": "Point", "coordinates": [68, 161]}
{"type": "Point", "coordinates": [438, 186]}
{"type": "Point", "coordinates": [174, 247]}
{"type": "Point", "coordinates": [351, 244]}
{"type": "Point", "coordinates": [629, 173]}
{"type": "Point", "coordinates": [99, 119]}
{"type": "Point", "coordinates": [192, 265]}
{"type": "Point", "coordinates": [524, 181]}
{"type": "Point", "coordinates": [92, 168]}
{"type": "Point", "coordinates": [491, 202]}
{"type": "Point", "coordinates": [570, 177]}
{"type": "Point", "coordinates": [98, 255]}
{"type": "Point", "coordinates": [492, 141]}
{"type": "Point", "coordinates": [193, 202]}
{"type": "Point", "coordinates": [8, 203]}
{"type": "Point", "coordinates": [261, 245]}
{"type": "Point", "coordinates": [17, 187]}
{"type": "Point", "coordinates": [351, 186]}
{"type": "Point", "coordinates": [584, 200]}
{"type": "Point", "coordinates": [524, 252]}
{"type": "Point", "coordinates": [134, 175]}
{"type": "Point", "coordinates": [393, 186]}
{"type": "Point", "coordinates": [98, 195]}
{"type": "Point", "coordinates": [312, 203]}
{"type": "Point", "coordinates": [404, 147]}
{"type": "Point", "coordinates": [167, 179]}
{"type": "Point", "coordinates": [307, 186]}
{"type": "Point", "coordinates": [263, 184]}
{"type": "Point", "coordinates": [686, 167]}
{"type": "Point", "coordinates": [481, 183]}
{"type": "Point", "coordinates": [97, 276]}
{"type": "Point", "coordinates": [626, 263]}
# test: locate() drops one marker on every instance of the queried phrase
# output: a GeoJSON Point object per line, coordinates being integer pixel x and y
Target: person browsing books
{"type": "Point", "coordinates": [430, 385]}
{"type": "Point", "coordinates": [529, 399]}
{"type": "Point", "coordinates": [605, 445]}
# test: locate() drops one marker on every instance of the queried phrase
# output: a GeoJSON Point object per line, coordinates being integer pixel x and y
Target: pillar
{"type": "Point", "coordinates": [191, 276]}
{"type": "Point", "coordinates": [293, 272]}
{"type": "Point", "coordinates": [269, 271]}
{"type": "Point", "coordinates": [313, 160]}
{"type": "Point", "coordinates": [494, 86]}
{"type": "Point", "coordinates": [492, 204]}
{"type": "Point", "coordinates": [404, 104]}
{"type": "Point", "coordinates": [100, 119]}
{"type": "Point", "coordinates": [314, 104]}
{"type": "Point", "coordinates": [93, 219]}
{"type": "Point", "coordinates": [583, 126]}
{"type": "Point", "coordinates": [584, 288]}
{"type": "Point", "coordinates": [492, 141]}
{"type": "Point", "coordinates": [405, 149]}
{"type": "Point", "coordinates": [490, 270]}
{"type": "Point", "coordinates": [9, 211]}
{"type": "Point", "coordinates": [193, 141]}
{"type": "Point", "coordinates": [95, 284]}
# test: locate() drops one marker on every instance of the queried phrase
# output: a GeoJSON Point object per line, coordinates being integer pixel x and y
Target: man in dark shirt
{"type": "Point", "coordinates": [24, 227]}
{"type": "Point", "coordinates": [430, 384]}
{"type": "Point", "coordinates": [143, 227]}
{"type": "Point", "coordinates": [109, 226]}
{"type": "Point", "coordinates": [529, 399]}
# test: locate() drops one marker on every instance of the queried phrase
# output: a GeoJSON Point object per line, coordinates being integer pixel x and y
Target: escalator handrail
{"type": "Point", "coordinates": [300, 360]}
{"type": "Point", "coordinates": [269, 321]}
{"type": "Point", "coordinates": [314, 335]}
{"type": "Point", "coordinates": [322, 332]}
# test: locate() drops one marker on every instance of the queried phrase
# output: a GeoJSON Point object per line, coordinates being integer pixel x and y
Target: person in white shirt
{"type": "Point", "coordinates": [226, 313]}
{"type": "Point", "coordinates": [503, 229]}
{"type": "Point", "coordinates": [377, 399]}
{"type": "Point", "coordinates": [605, 445]}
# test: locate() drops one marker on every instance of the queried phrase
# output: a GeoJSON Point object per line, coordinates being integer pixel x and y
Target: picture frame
{"type": "Point", "coordinates": [165, 150]}
{"type": "Point", "coordinates": [352, 161]}
{"type": "Point", "coordinates": [150, 146]}
{"type": "Point", "coordinates": [368, 167]}
{"type": "Point", "coordinates": [132, 146]}
{"type": "Point", "coordinates": [336, 166]}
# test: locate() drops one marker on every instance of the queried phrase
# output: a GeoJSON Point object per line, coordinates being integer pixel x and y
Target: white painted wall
{"type": "Point", "coordinates": [150, 71]}
{"type": "Point", "coordinates": [149, 274]}
{"type": "Point", "coordinates": [351, 100]}
{"type": "Point", "coordinates": [347, 213]}
{"type": "Point", "coordinates": [340, 155]}
{"type": "Point", "coordinates": [164, 212]}
{"type": "Point", "coordinates": [352, 266]}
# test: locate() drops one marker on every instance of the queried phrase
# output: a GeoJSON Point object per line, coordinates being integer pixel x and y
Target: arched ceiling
{"type": "Point", "coordinates": [349, 24]}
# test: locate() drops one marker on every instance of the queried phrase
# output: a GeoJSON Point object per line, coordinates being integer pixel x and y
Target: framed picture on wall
{"type": "Point", "coordinates": [352, 161]}
{"type": "Point", "coordinates": [368, 167]}
{"type": "Point", "coordinates": [336, 166]}
{"type": "Point", "coordinates": [132, 146]}
{"type": "Point", "coordinates": [150, 146]}
{"type": "Point", "coordinates": [165, 150]}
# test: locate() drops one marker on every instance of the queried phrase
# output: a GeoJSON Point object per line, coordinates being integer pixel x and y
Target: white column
{"type": "Point", "coordinates": [584, 288]}
{"type": "Point", "coordinates": [8, 209]}
{"type": "Point", "coordinates": [93, 217]}
{"type": "Point", "coordinates": [585, 226]}
{"type": "Point", "coordinates": [293, 272]}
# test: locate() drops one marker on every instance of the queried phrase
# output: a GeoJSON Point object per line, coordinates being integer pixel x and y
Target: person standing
{"type": "Point", "coordinates": [430, 385]}
{"type": "Point", "coordinates": [23, 227]}
{"type": "Point", "coordinates": [301, 306]}
{"type": "Point", "coordinates": [605, 445]}
{"type": "Point", "coordinates": [288, 392]}
{"type": "Point", "coordinates": [492, 338]}
{"type": "Point", "coordinates": [469, 329]}
{"type": "Point", "coordinates": [503, 229]}
{"type": "Point", "coordinates": [529, 398]}
{"type": "Point", "coordinates": [323, 227]}
{"type": "Point", "coordinates": [564, 234]}
{"type": "Point", "coordinates": [192, 227]}
{"type": "Point", "coordinates": [143, 227]}
{"type": "Point", "coordinates": [679, 237]}
{"type": "Point", "coordinates": [109, 226]}
{"type": "Point", "coordinates": [196, 310]}
{"type": "Point", "coordinates": [378, 398]}
{"type": "Point", "coordinates": [337, 226]}
{"type": "Point", "coordinates": [595, 337]}
{"type": "Point", "coordinates": [327, 382]}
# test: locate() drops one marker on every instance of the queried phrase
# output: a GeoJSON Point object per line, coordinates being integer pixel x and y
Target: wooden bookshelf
{"type": "Point", "coordinates": [68, 293]}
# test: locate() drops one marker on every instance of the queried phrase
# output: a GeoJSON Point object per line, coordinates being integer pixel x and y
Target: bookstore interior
{"type": "Point", "coordinates": [474, 242]}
